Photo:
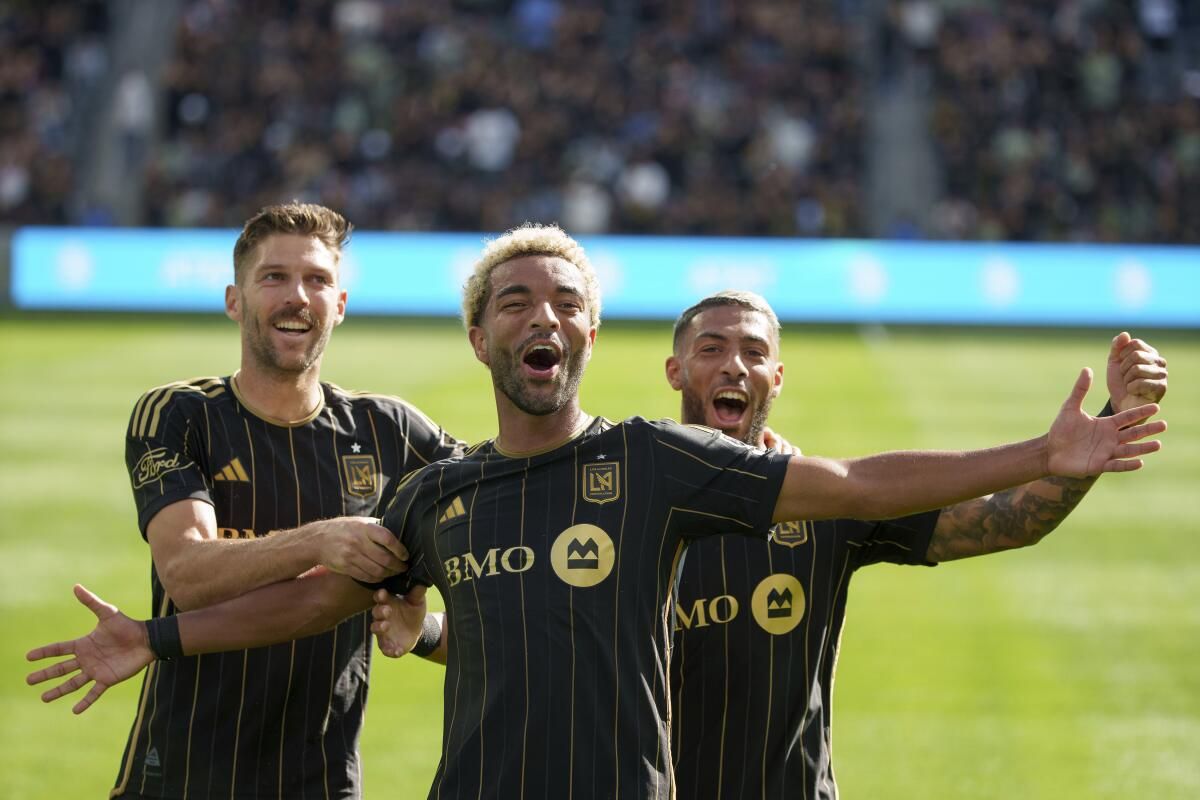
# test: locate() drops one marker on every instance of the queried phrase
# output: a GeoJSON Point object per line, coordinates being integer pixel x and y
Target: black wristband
{"type": "Point", "coordinates": [163, 633]}
{"type": "Point", "coordinates": [430, 638]}
{"type": "Point", "coordinates": [1107, 411]}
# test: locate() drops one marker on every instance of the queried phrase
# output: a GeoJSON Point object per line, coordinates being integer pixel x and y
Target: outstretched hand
{"type": "Point", "coordinates": [116, 649]}
{"type": "Point", "coordinates": [1082, 446]}
{"type": "Point", "coordinates": [396, 620]}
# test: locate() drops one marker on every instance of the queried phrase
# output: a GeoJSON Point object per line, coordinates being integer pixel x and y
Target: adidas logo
{"type": "Point", "coordinates": [233, 471]}
{"type": "Point", "coordinates": [453, 511]}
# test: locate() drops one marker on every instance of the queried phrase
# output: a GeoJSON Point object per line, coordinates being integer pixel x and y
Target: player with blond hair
{"type": "Point", "coordinates": [555, 545]}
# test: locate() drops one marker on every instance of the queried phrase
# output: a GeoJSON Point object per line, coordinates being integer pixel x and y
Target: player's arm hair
{"type": "Point", "coordinates": [1016, 517]}
{"type": "Point", "coordinates": [897, 484]}
{"type": "Point", "coordinates": [277, 613]}
{"type": "Point", "coordinates": [199, 568]}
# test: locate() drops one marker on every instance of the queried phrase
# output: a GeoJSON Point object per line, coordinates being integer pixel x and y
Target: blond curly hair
{"type": "Point", "coordinates": [530, 239]}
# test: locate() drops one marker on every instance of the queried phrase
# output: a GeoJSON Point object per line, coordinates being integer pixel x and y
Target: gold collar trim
{"type": "Point", "coordinates": [282, 423]}
{"type": "Point", "coordinates": [583, 426]}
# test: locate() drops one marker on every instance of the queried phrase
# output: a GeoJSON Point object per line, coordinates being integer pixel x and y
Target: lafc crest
{"type": "Point", "coordinates": [790, 534]}
{"type": "Point", "coordinates": [602, 482]}
{"type": "Point", "coordinates": [361, 475]}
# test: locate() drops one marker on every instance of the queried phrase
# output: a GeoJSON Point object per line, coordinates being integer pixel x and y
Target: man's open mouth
{"type": "Point", "coordinates": [729, 405]}
{"type": "Point", "coordinates": [541, 360]}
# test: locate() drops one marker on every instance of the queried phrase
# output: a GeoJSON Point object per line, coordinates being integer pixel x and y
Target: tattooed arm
{"type": "Point", "coordinates": [1018, 517]}
{"type": "Point", "coordinates": [1021, 516]}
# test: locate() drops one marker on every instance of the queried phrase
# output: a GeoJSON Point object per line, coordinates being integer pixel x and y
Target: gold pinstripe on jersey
{"type": "Point", "coordinates": [208, 719]}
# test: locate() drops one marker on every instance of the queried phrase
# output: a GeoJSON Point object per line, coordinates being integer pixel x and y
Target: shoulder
{"type": "Point", "coordinates": [668, 430]}
{"type": "Point", "coordinates": [386, 404]}
{"type": "Point", "coordinates": [187, 396]}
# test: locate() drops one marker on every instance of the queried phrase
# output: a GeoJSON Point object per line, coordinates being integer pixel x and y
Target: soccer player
{"type": "Point", "coordinates": [235, 479]}
{"type": "Point", "coordinates": [758, 623]}
{"type": "Point", "coordinates": [555, 545]}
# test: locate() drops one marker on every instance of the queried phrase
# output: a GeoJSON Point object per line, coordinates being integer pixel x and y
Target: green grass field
{"type": "Point", "coordinates": [1069, 670]}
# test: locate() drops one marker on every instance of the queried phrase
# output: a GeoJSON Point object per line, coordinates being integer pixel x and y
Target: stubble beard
{"type": "Point", "coordinates": [268, 359]}
{"type": "Point", "coordinates": [695, 411]}
{"type": "Point", "coordinates": [506, 375]}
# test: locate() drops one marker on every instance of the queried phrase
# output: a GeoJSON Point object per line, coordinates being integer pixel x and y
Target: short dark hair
{"type": "Point", "coordinates": [728, 297]}
{"type": "Point", "coordinates": [306, 219]}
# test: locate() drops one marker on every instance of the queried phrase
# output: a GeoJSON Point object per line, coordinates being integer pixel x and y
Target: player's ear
{"type": "Point", "coordinates": [478, 338]}
{"type": "Point", "coordinates": [674, 373]}
{"type": "Point", "coordinates": [778, 387]}
{"type": "Point", "coordinates": [341, 308]}
{"type": "Point", "coordinates": [233, 303]}
{"type": "Point", "coordinates": [591, 343]}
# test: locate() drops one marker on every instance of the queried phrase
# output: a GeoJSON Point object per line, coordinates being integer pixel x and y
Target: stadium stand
{"type": "Point", "coordinates": [1069, 121]}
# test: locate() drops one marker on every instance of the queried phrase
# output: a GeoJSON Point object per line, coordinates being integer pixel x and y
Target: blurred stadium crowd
{"type": "Point", "coordinates": [1074, 120]}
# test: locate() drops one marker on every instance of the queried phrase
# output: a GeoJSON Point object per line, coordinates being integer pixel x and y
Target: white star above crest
{"type": "Point", "coordinates": [355, 447]}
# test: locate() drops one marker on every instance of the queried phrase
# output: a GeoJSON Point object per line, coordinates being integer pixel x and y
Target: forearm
{"type": "Point", "coordinates": [214, 570]}
{"type": "Point", "coordinates": [906, 482]}
{"type": "Point", "coordinates": [280, 612]}
{"type": "Point", "coordinates": [1016, 517]}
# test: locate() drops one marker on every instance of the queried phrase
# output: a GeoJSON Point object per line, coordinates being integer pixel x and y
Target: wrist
{"type": "Point", "coordinates": [430, 637]}
{"type": "Point", "coordinates": [162, 637]}
{"type": "Point", "coordinates": [1042, 445]}
{"type": "Point", "coordinates": [309, 537]}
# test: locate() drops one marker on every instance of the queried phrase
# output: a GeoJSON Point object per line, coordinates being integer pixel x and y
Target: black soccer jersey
{"type": "Point", "coordinates": [757, 630]}
{"type": "Point", "coordinates": [557, 570]}
{"type": "Point", "coordinates": [280, 721]}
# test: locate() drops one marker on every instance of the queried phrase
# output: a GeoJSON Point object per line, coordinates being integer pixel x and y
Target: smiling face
{"type": "Point", "coordinates": [726, 365]}
{"type": "Point", "coordinates": [287, 303]}
{"type": "Point", "coordinates": [535, 334]}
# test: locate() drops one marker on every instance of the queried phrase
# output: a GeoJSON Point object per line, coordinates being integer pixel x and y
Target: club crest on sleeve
{"type": "Point", "coordinates": [602, 482]}
{"type": "Point", "coordinates": [361, 474]}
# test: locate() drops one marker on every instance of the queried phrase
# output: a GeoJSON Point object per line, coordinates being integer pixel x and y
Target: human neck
{"type": "Point", "coordinates": [281, 396]}
{"type": "Point", "coordinates": [522, 432]}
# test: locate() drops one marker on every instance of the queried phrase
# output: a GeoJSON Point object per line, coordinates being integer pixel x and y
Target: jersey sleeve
{"type": "Point", "coordinates": [427, 439]}
{"type": "Point", "coordinates": [403, 517]}
{"type": "Point", "coordinates": [424, 442]}
{"type": "Point", "coordinates": [162, 453]}
{"type": "Point", "coordinates": [714, 484]}
{"type": "Point", "coordinates": [896, 541]}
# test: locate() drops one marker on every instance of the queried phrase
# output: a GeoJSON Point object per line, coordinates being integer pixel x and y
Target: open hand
{"type": "Point", "coordinates": [1081, 446]}
{"type": "Point", "coordinates": [116, 649]}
